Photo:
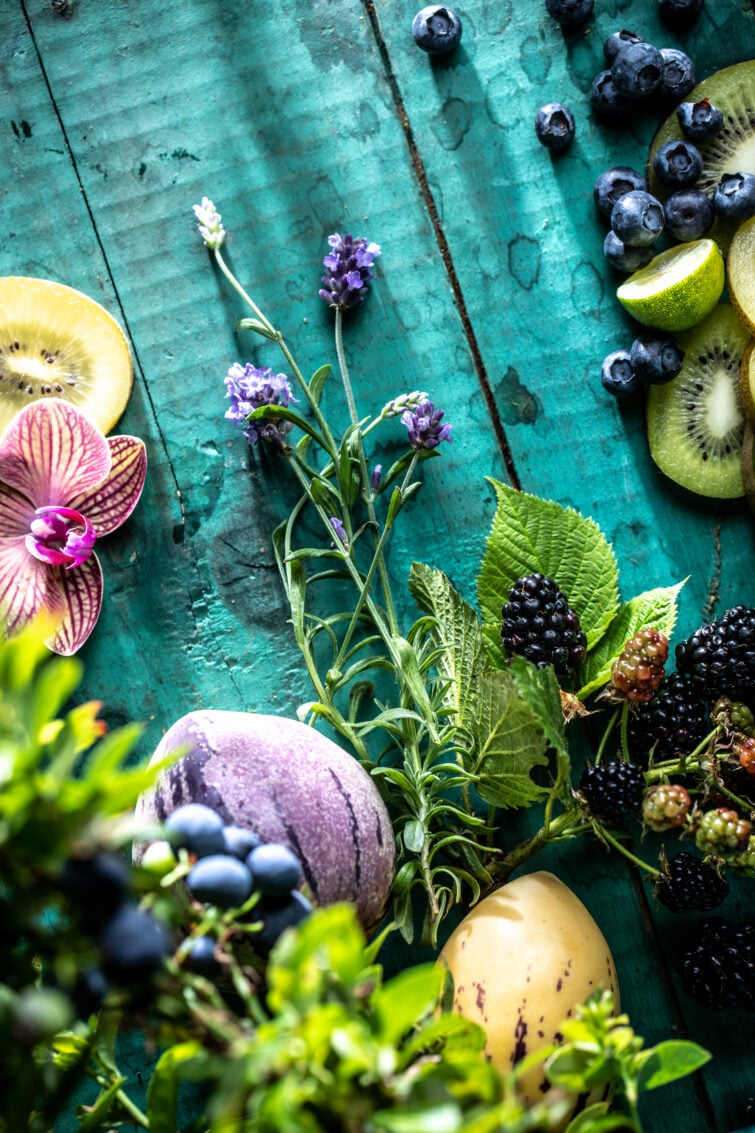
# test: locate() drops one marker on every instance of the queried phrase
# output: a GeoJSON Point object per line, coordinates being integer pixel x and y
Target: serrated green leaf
{"type": "Point", "coordinates": [539, 689]}
{"type": "Point", "coordinates": [459, 633]}
{"type": "Point", "coordinates": [655, 609]}
{"type": "Point", "coordinates": [509, 744]}
{"type": "Point", "coordinates": [529, 534]}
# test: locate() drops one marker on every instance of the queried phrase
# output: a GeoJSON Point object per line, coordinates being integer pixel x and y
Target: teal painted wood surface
{"type": "Point", "coordinates": [302, 118]}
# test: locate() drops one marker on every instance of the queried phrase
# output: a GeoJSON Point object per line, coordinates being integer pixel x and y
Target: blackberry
{"type": "Point", "coordinates": [720, 656]}
{"type": "Point", "coordinates": [638, 671]}
{"type": "Point", "coordinates": [665, 806]}
{"type": "Point", "coordinates": [720, 830]}
{"type": "Point", "coordinates": [746, 755]}
{"type": "Point", "coordinates": [718, 969]}
{"type": "Point", "coordinates": [673, 723]}
{"type": "Point", "coordinates": [539, 625]}
{"type": "Point", "coordinates": [690, 883]}
{"type": "Point", "coordinates": [612, 791]}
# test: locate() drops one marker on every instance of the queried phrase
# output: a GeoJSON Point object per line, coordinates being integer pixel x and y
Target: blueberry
{"type": "Point", "coordinates": [637, 70]}
{"type": "Point", "coordinates": [734, 197]}
{"type": "Point", "coordinates": [678, 163]}
{"type": "Point", "coordinates": [614, 183]}
{"type": "Point", "coordinates": [570, 13]}
{"type": "Point", "coordinates": [678, 73]}
{"type": "Point", "coordinates": [689, 215]}
{"type": "Point", "coordinates": [200, 956]}
{"type": "Point", "coordinates": [239, 842]}
{"type": "Point", "coordinates": [220, 880]}
{"type": "Point", "coordinates": [606, 100]}
{"type": "Point", "coordinates": [276, 916]}
{"type": "Point", "coordinates": [133, 945]}
{"type": "Point", "coordinates": [96, 884]}
{"type": "Point", "coordinates": [617, 375]}
{"type": "Point", "coordinates": [275, 868]}
{"type": "Point", "coordinates": [554, 126]}
{"type": "Point", "coordinates": [436, 29]}
{"type": "Point", "coordinates": [637, 218]}
{"type": "Point", "coordinates": [656, 358]}
{"type": "Point", "coordinates": [617, 41]}
{"type": "Point", "coordinates": [622, 256]}
{"type": "Point", "coordinates": [679, 13]}
{"type": "Point", "coordinates": [699, 121]}
{"type": "Point", "coordinates": [197, 828]}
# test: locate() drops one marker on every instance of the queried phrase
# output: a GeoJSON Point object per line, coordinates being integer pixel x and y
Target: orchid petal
{"type": "Point", "coordinates": [81, 593]}
{"type": "Point", "coordinates": [27, 586]}
{"type": "Point", "coordinates": [51, 451]}
{"type": "Point", "coordinates": [16, 513]}
{"type": "Point", "coordinates": [109, 504]}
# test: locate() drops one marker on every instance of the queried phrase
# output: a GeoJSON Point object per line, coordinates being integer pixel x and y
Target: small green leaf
{"type": "Point", "coordinates": [598, 1118]}
{"type": "Point", "coordinates": [413, 834]}
{"type": "Point", "coordinates": [283, 413]}
{"type": "Point", "coordinates": [509, 744]}
{"type": "Point", "coordinates": [529, 534]}
{"type": "Point", "coordinates": [443, 1117]}
{"type": "Point", "coordinates": [539, 689]}
{"type": "Point", "coordinates": [406, 999]}
{"type": "Point", "coordinates": [256, 326]}
{"type": "Point", "coordinates": [654, 609]}
{"type": "Point", "coordinates": [317, 382]}
{"type": "Point", "coordinates": [668, 1061]}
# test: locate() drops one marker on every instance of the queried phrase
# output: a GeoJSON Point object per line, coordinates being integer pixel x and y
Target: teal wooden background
{"type": "Point", "coordinates": [303, 117]}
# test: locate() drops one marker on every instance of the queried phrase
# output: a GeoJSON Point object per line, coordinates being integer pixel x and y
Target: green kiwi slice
{"type": "Point", "coordinates": [747, 382]}
{"type": "Point", "coordinates": [696, 422]}
{"type": "Point", "coordinates": [732, 90]}
{"type": "Point", "coordinates": [57, 342]}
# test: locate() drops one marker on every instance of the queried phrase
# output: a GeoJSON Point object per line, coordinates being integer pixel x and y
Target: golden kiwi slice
{"type": "Point", "coordinates": [747, 382]}
{"type": "Point", "coordinates": [740, 272]}
{"type": "Point", "coordinates": [57, 342]}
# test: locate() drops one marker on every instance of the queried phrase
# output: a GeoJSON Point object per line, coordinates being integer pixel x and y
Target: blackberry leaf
{"type": "Point", "coordinates": [540, 690]}
{"type": "Point", "coordinates": [510, 744]}
{"type": "Point", "coordinates": [529, 534]}
{"type": "Point", "coordinates": [656, 609]}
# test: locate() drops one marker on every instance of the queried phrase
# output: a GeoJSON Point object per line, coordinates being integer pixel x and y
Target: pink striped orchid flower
{"type": "Point", "coordinates": [63, 485]}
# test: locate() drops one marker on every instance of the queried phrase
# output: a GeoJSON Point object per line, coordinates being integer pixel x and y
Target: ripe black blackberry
{"type": "Point", "coordinates": [718, 968]}
{"type": "Point", "coordinates": [720, 656]}
{"type": "Point", "coordinates": [673, 723]}
{"type": "Point", "coordinates": [690, 883]}
{"type": "Point", "coordinates": [537, 623]}
{"type": "Point", "coordinates": [612, 791]}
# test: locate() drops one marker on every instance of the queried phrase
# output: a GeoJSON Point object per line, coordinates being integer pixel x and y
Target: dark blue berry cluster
{"type": "Point", "coordinates": [655, 357]}
{"type": "Point", "coordinates": [230, 863]}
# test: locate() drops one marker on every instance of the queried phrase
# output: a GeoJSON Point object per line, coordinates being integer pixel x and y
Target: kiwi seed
{"type": "Point", "coordinates": [57, 342]}
{"type": "Point", "coordinates": [696, 422]}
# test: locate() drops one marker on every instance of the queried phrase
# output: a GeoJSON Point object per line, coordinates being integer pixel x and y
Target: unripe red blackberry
{"type": "Point", "coordinates": [746, 755]}
{"type": "Point", "coordinates": [537, 623]}
{"type": "Point", "coordinates": [612, 791]}
{"type": "Point", "coordinates": [638, 672]}
{"type": "Point", "coordinates": [665, 806]}
{"type": "Point", "coordinates": [721, 830]}
{"type": "Point", "coordinates": [688, 882]}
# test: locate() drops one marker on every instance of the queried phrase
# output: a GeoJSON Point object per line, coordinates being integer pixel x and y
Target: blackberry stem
{"type": "Point", "coordinates": [606, 836]}
{"type": "Point", "coordinates": [625, 731]}
{"type": "Point", "coordinates": [606, 735]}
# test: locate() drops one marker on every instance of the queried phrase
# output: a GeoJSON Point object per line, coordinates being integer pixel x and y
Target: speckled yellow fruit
{"type": "Point", "coordinates": [740, 273]}
{"type": "Point", "coordinates": [521, 961]}
{"type": "Point", "coordinates": [678, 288]}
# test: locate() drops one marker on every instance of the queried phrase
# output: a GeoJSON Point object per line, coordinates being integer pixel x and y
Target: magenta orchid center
{"type": "Point", "coordinates": [60, 536]}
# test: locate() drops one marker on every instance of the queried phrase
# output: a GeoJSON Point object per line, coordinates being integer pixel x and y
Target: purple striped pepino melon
{"type": "Point", "coordinates": [287, 783]}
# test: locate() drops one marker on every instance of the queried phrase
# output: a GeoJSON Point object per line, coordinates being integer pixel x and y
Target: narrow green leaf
{"type": "Point", "coordinates": [162, 1092]}
{"type": "Point", "coordinates": [283, 413]}
{"type": "Point", "coordinates": [408, 670]}
{"type": "Point", "coordinates": [317, 382]}
{"type": "Point", "coordinates": [413, 834]}
{"type": "Point", "coordinates": [95, 1117]}
{"type": "Point", "coordinates": [463, 657]}
{"type": "Point", "coordinates": [654, 609]}
{"type": "Point", "coordinates": [670, 1060]}
{"type": "Point", "coordinates": [256, 326]}
{"type": "Point", "coordinates": [529, 534]}
{"type": "Point", "coordinates": [509, 744]}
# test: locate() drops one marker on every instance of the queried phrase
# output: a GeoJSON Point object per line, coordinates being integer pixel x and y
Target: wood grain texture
{"type": "Point", "coordinates": [299, 119]}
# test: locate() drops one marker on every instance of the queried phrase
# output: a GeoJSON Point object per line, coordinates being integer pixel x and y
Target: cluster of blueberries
{"type": "Point", "coordinates": [231, 863]}
{"type": "Point", "coordinates": [654, 358]}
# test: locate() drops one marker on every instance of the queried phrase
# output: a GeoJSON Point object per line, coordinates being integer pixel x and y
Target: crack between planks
{"type": "Point", "coordinates": [440, 238]}
{"type": "Point", "coordinates": [137, 362]}
{"type": "Point", "coordinates": [715, 580]}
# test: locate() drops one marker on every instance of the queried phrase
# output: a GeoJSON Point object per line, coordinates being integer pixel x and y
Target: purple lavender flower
{"type": "Point", "coordinates": [339, 531]}
{"type": "Point", "coordinates": [348, 270]}
{"type": "Point", "coordinates": [249, 388]}
{"type": "Point", "coordinates": [424, 425]}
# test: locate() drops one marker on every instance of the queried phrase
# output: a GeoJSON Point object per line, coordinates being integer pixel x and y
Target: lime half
{"type": "Point", "coordinates": [678, 287]}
